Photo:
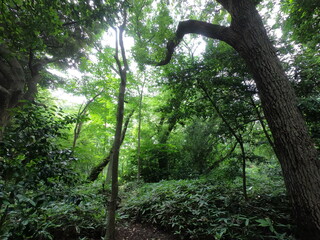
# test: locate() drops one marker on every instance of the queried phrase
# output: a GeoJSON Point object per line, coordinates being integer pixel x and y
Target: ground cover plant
{"type": "Point", "coordinates": [203, 209]}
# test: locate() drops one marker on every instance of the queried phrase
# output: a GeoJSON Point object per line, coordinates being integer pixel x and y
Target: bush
{"type": "Point", "coordinates": [56, 214]}
{"type": "Point", "coordinates": [198, 209]}
{"type": "Point", "coordinates": [37, 195]}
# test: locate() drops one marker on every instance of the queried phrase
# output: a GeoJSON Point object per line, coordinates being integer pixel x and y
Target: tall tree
{"type": "Point", "coordinates": [123, 68]}
{"type": "Point", "coordinates": [295, 150]}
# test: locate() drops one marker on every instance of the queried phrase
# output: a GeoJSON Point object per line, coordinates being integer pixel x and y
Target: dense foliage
{"type": "Point", "coordinates": [202, 209]}
{"type": "Point", "coordinates": [197, 158]}
{"type": "Point", "coordinates": [37, 181]}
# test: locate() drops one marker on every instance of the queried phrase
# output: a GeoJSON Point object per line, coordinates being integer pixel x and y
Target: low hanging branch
{"type": "Point", "coordinates": [197, 27]}
{"type": "Point", "coordinates": [98, 169]}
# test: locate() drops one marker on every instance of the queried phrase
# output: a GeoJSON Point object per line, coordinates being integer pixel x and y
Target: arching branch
{"type": "Point", "coordinates": [197, 27]}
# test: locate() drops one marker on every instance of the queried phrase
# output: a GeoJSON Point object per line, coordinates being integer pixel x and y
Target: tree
{"type": "Point", "coordinates": [36, 34]}
{"type": "Point", "coordinates": [123, 68]}
{"type": "Point", "coordinates": [140, 91]}
{"type": "Point", "coordinates": [294, 148]}
{"type": "Point", "coordinates": [303, 21]}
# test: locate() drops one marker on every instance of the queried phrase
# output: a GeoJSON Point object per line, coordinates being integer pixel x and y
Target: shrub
{"type": "Point", "coordinates": [198, 209]}
{"type": "Point", "coordinates": [55, 214]}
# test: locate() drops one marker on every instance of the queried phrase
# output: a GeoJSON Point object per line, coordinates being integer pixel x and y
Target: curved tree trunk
{"type": "Point", "coordinates": [293, 145]}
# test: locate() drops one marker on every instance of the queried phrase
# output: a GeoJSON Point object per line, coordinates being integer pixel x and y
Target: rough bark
{"type": "Point", "coordinates": [98, 169]}
{"type": "Point", "coordinates": [12, 83]}
{"type": "Point", "coordinates": [293, 145]}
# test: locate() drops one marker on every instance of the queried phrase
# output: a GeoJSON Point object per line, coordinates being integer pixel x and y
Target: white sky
{"type": "Point", "coordinates": [63, 98]}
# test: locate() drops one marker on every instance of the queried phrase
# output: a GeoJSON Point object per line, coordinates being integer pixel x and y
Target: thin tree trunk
{"type": "Point", "coordinates": [111, 218]}
{"type": "Point", "coordinates": [264, 128]}
{"type": "Point", "coordinates": [244, 175]}
{"type": "Point", "coordinates": [79, 123]}
{"type": "Point", "coordinates": [98, 169]}
{"type": "Point", "coordinates": [139, 132]}
{"type": "Point", "coordinates": [235, 135]}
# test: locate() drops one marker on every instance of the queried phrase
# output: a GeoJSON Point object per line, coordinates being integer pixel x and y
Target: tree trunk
{"type": "Point", "coordinates": [12, 84]}
{"type": "Point", "coordinates": [139, 131]}
{"type": "Point", "coordinates": [110, 233]}
{"type": "Point", "coordinates": [264, 127]}
{"type": "Point", "coordinates": [18, 81]}
{"type": "Point", "coordinates": [244, 174]}
{"type": "Point", "coordinates": [98, 169]}
{"type": "Point", "coordinates": [237, 136]}
{"type": "Point", "coordinates": [293, 145]}
{"type": "Point", "coordinates": [82, 112]}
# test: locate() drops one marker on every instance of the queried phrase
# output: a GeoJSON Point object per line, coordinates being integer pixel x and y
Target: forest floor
{"type": "Point", "coordinates": [136, 231]}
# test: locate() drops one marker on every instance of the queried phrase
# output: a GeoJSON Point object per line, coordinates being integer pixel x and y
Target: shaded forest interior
{"type": "Point", "coordinates": [159, 119]}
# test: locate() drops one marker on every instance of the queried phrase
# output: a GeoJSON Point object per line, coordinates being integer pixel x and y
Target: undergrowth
{"type": "Point", "coordinates": [69, 213]}
{"type": "Point", "coordinates": [202, 209]}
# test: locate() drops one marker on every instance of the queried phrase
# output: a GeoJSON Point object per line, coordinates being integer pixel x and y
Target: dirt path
{"type": "Point", "coordinates": [138, 231]}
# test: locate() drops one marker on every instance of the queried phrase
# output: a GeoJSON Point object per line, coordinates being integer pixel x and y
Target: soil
{"type": "Point", "coordinates": [137, 231]}
{"type": "Point", "coordinates": [124, 231]}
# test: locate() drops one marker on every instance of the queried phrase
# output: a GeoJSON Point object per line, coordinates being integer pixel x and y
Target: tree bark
{"type": "Point", "coordinates": [293, 145]}
{"type": "Point", "coordinates": [12, 83]}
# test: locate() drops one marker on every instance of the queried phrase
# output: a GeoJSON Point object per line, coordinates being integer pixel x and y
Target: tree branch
{"type": "Point", "coordinates": [98, 169]}
{"type": "Point", "coordinates": [217, 163]}
{"type": "Point", "coordinates": [82, 112]}
{"type": "Point", "coordinates": [197, 27]}
{"type": "Point", "coordinates": [123, 52]}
